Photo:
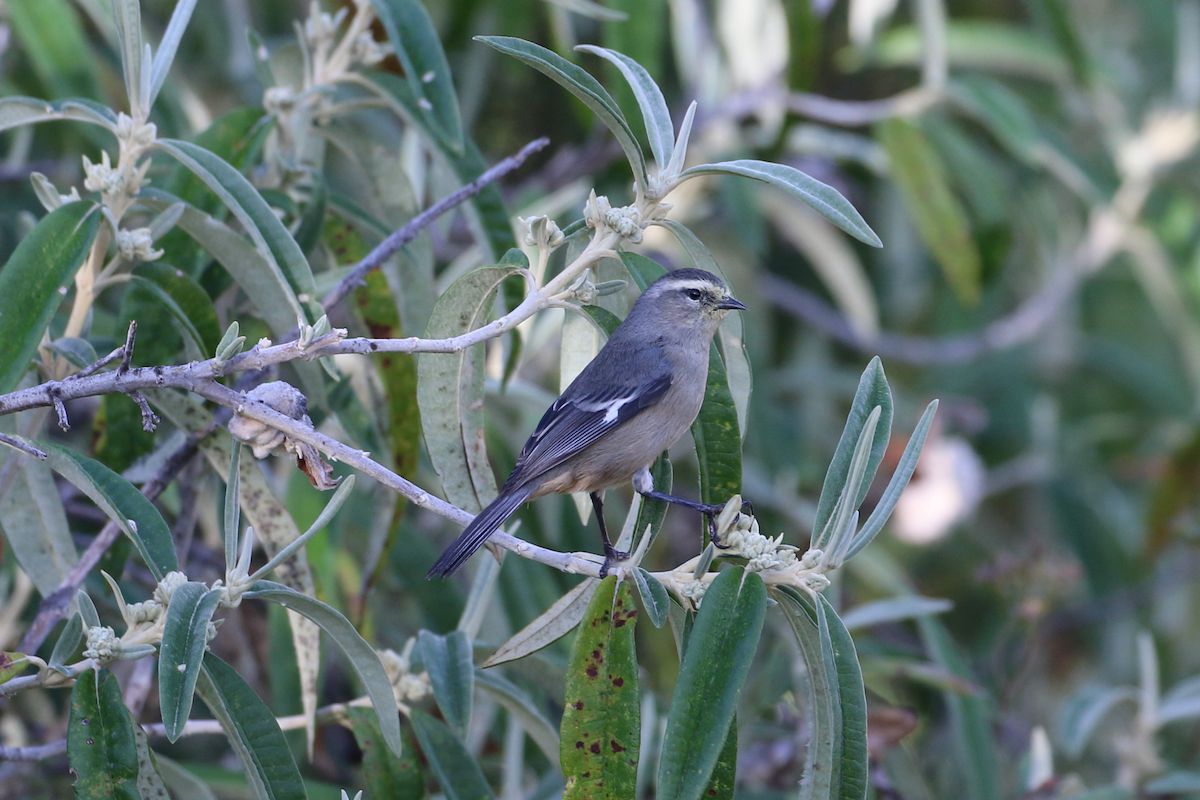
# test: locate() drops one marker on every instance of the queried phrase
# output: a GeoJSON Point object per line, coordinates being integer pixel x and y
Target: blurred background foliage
{"type": "Point", "coordinates": [1029, 166]}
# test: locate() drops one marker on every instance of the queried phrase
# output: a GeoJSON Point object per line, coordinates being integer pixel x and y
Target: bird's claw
{"type": "Point", "coordinates": [611, 554]}
{"type": "Point", "coordinates": [712, 532]}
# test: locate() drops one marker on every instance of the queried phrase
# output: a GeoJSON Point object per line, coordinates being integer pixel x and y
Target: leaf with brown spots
{"type": "Point", "coordinates": [601, 729]}
{"type": "Point", "coordinates": [12, 665]}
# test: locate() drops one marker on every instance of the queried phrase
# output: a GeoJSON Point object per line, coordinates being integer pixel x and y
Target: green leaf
{"type": "Point", "coordinates": [980, 44]}
{"type": "Point", "coordinates": [489, 216]}
{"type": "Point", "coordinates": [853, 707]}
{"type": "Point", "coordinates": [186, 301]}
{"type": "Point", "coordinates": [100, 742]}
{"type": "Point", "coordinates": [718, 437]}
{"type": "Point", "coordinates": [34, 279]}
{"type": "Point", "coordinates": [128, 16]}
{"type": "Point", "coordinates": [521, 706]}
{"type": "Point", "coordinates": [387, 775]}
{"type": "Point", "coordinates": [659, 128]}
{"type": "Point", "coordinates": [35, 524]}
{"type": "Point", "coordinates": [456, 771]}
{"type": "Point", "coordinates": [1083, 712]}
{"type": "Point", "coordinates": [579, 83]}
{"type": "Point", "coordinates": [150, 785]}
{"type": "Point", "coordinates": [939, 215]}
{"type": "Point", "coordinates": [894, 609]}
{"type": "Point", "coordinates": [600, 734]}
{"type": "Point", "coordinates": [363, 659]}
{"type": "Point", "coordinates": [52, 38]}
{"type": "Point", "coordinates": [715, 665]}
{"type": "Point", "coordinates": [180, 656]}
{"type": "Point", "coordinates": [16, 111]}
{"type": "Point", "coordinates": [417, 45]}
{"type": "Point", "coordinates": [78, 351]}
{"type": "Point", "coordinates": [824, 199]}
{"type": "Point", "coordinates": [450, 391]}
{"type": "Point", "coordinates": [872, 391]}
{"type": "Point", "coordinates": [270, 237]}
{"type": "Point", "coordinates": [1001, 111]}
{"type": "Point", "coordinates": [447, 661]}
{"type": "Point", "coordinates": [970, 716]}
{"type": "Point", "coordinates": [722, 784]}
{"type": "Point", "coordinates": [312, 223]}
{"type": "Point", "coordinates": [259, 276]}
{"type": "Point", "coordinates": [169, 45]}
{"type": "Point", "coordinates": [11, 665]}
{"type": "Point", "coordinates": [182, 782]}
{"type": "Point", "coordinates": [252, 731]}
{"type": "Point", "coordinates": [654, 596]}
{"type": "Point", "coordinates": [68, 642]}
{"type": "Point", "coordinates": [891, 494]}
{"type": "Point", "coordinates": [122, 503]}
{"type": "Point", "coordinates": [555, 623]}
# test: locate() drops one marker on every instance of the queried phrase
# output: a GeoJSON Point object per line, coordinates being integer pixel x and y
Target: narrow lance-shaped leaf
{"type": "Point", "coordinates": [715, 665]}
{"type": "Point", "coordinates": [457, 772]}
{"type": "Point", "coordinates": [35, 524]}
{"type": "Point", "coordinates": [654, 596]}
{"type": "Point", "coordinates": [419, 48]}
{"type": "Point", "coordinates": [128, 16]}
{"type": "Point", "coordinates": [521, 706]}
{"type": "Point", "coordinates": [447, 661]}
{"type": "Point", "coordinates": [904, 471]}
{"type": "Point", "coordinates": [270, 236]}
{"type": "Point", "coordinates": [252, 731]}
{"type": "Point", "coordinates": [182, 651]}
{"type": "Point", "coordinates": [169, 44]}
{"type": "Point", "coordinates": [600, 735]}
{"type": "Point", "coordinates": [872, 391]}
{"type": "Point", "coordinates": [824, 199]}
{"type": "Point", "coordinates": [122, 503]}
{"type": "Point", "coordinates": [579, 83]}
{"type": "Point", "coordinates": [16, 111]}
{"type": "Point", "coordinates": [450, 391]}
{"type": "Point", "coordinates": [32, 282]}
{"type": "Point", "coordinates": [68, 642]}
{"type": "Point", "coordinates": [100, 742]}
{"type": "Point", "coordinates": [556, 622]}
{"type": "Point", "coordinates": [939, 215]}
{"type": "Point", "coordinates": [362, 657]}
{"type": "Point", "coordinates": [659, 128]}
{"type": "Point", "coordinates": [387, 775]}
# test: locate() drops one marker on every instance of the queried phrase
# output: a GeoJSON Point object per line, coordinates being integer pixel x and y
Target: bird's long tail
{"type": "Point", "coordinates": [474, 535]}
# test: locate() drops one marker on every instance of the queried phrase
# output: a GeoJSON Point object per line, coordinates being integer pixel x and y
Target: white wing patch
{"type": "Point", "coordinates": [611, 408]}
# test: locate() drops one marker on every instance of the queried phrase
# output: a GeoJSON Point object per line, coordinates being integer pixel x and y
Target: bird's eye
{"type": "Point", "coordinates": [694, 294]}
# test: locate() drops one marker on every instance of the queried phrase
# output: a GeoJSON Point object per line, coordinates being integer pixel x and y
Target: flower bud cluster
{"type": "Point", "coordinates": [102, 645]}
{"type": "Point", "coordinates": [408, 687]}
{"type": "Point", "coordinates": [137, 245]}
{"type": "Point", "coordinates": [543, 232]}
{"type": "Point", "coordinates": [627, 221]}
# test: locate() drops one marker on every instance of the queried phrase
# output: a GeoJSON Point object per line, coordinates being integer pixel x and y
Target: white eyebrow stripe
{"type": "Point", "coordinates": [694, 284]}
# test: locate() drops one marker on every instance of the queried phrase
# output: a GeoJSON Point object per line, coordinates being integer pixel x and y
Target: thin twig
{"type": "Point", "coordinates": [127, 350]}
{"type": "Point", "coordinates": [24, 447]}
{"type": "Point", "coordinates": [35, 753]}
{"type": "Point", "coordinates": [59, 409]}
{"type": "Point", "coordinates": [101, 363]}
{"type": "Point", "coordinates": [149, 418]}
{"type": "Point", "coordinates": [388, 247]}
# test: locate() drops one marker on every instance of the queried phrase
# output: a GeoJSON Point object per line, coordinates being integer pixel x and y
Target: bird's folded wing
{"type": "Point", "coordinates": [577, 421]}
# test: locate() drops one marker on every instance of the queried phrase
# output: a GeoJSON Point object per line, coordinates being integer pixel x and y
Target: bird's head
{"type": "Point", "coordinates": [690, 300]}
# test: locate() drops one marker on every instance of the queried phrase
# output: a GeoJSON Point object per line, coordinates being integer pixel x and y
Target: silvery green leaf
{"type": "Point", "coordinates": [35, 524]}
{"type": "Point", "coordinates": [181, 653]}
{"type": "Point", "coordinates": [705, 561]}
{"type": "Point", "coordinates": [586, 8]}
{"type": "Point", "coordinates": [579, 83]}
{"type": "Point", "coordinates": [1083, 712]}
{"type": "Point", "coordinates": [345, 487]}
{"type": "Point", "coordinates": [521, 706]}
{"type": "Point", "coordinates": [1182, 702]}
{"type": "Point", "coordinates": [232, 517]}
{"type": "Point", "coordinates": [87, 610]}
{"type": "Point", "coordinates": [78, 351]}
{"type": "Point", "coordinates": [657, 117]}
{"type": "Point", "coordinates": [679, 152]}
{"type": "Point", "coordinates": [893, 609]}
{"type": "Point", "coordinates": [833, 537]}
{"type": "Point", "coordinates": [654, 596]}
{"type": "Point", "coordinates": [166, 220]}
{"type": "Point", "coordinates": [47, 192]}
{"type": "Point", "coordinates": [118, 595]}
{"type": "Point", "coordinates": [904, 471]}
{"type": "Point", "coordinates": [447, 662]}
{"type": "Point", "coordinates": [128, 16]}
{"type": "Point", "coordinates": [824, 199]}
{"type": "Point", "coordinates": [68, 642]}
{"type": "Point", "coordinates": [557, 621]}
{"type": "Point", "coordinates": [169, 44]}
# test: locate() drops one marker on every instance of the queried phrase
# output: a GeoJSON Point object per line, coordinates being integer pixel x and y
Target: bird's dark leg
{"type": "Point", "coordinates": [709, 510]}
{"type": "Point", "coordinates": [611, 553]}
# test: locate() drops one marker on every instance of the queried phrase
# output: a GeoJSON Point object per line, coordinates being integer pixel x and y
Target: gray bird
{"type": "Point", "coordinates": [635, 399]}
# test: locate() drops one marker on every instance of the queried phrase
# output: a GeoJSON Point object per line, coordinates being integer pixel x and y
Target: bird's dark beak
{"type": "Point", "coordinates": [730, 304]}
